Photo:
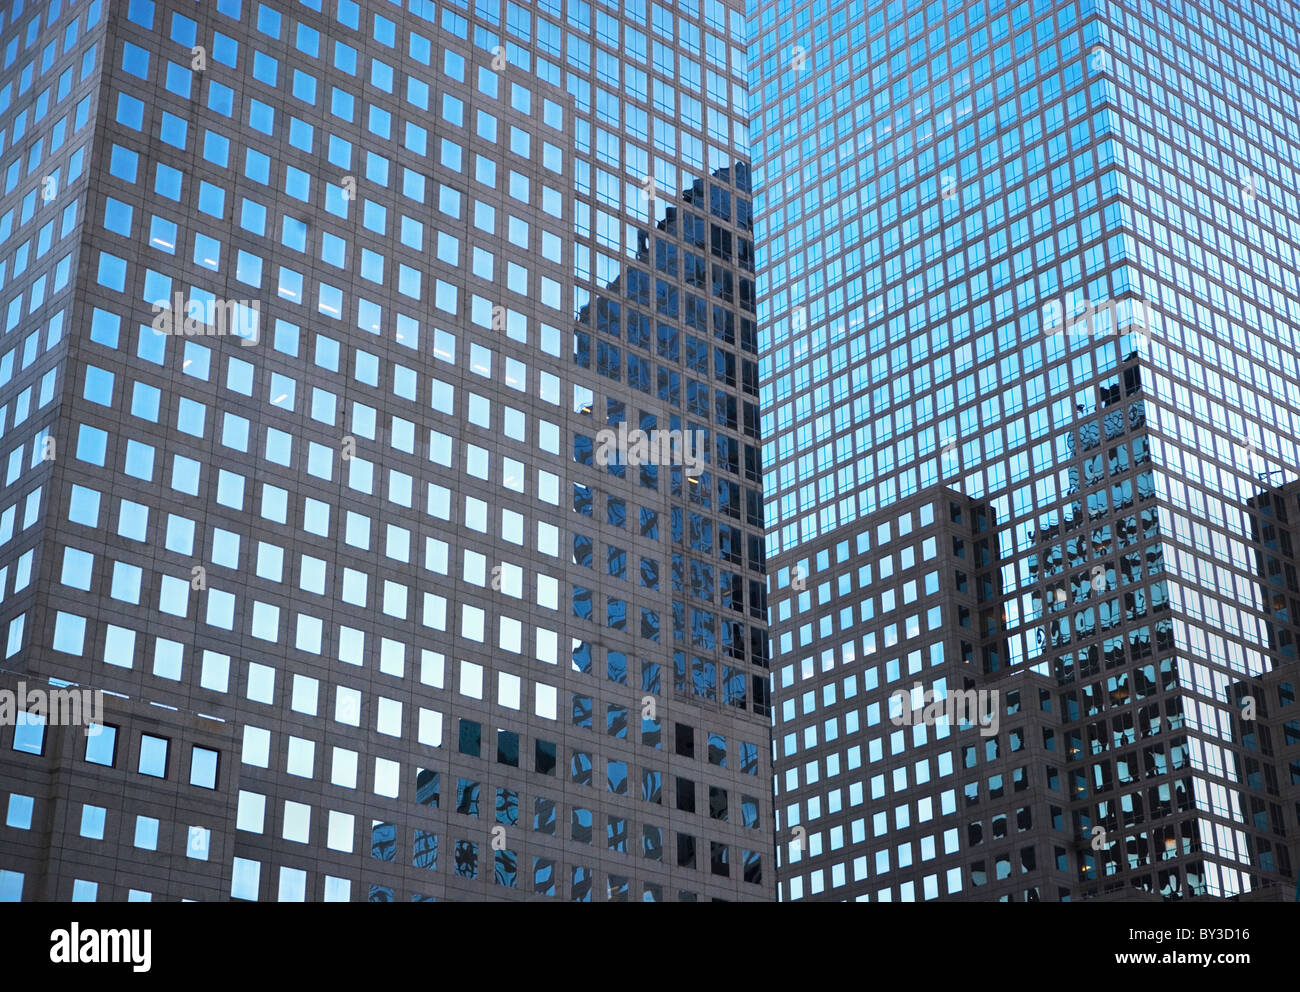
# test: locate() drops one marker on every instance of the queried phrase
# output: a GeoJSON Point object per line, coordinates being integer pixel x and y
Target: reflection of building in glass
{"type": "Point", "coordinates": [973, 796]}
{"type": "Point", "coordinates": [1272, 516]}
{"type": "Point", "coordinates": [995, 258]}
{"type": "Point", "coordinates": [1266, 722]}
{"type": "Point", "coordinates": [376, 626]}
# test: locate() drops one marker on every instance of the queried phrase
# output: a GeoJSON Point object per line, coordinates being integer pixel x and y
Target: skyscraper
{"type": "Point", "coordinates": [330, 329]}
{"type": "Point", "coordinates": [1030, 399]}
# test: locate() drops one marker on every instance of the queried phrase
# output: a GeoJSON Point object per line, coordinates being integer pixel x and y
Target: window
{"type": "Point", "coordinates": [11, 886]}
{"type": "Point", "coordinates": [146, 833]}
{"type": "Point", "coordinates": [467, 797]}
{"type": "Point", "coordinates": [153, 756]}
{"type": "Point", "coordinates": [245, 879]}
{"type": "Point", "coordinates": [203, 767]}
{"type": "Point", "coordinates": [19, 814]}
{"type": "Point", "coordinates": [544, 757]}
{"type": "Point", "coordinates": [29, 734]}
{"type": "Point", "coordinates": [101, 745]}
{"type": "Point", "coordinates": [92, 821]}
{"type": "Point", "coordinates": [508, 748]}
{"type": "Point", "coordinates": [469, 737]}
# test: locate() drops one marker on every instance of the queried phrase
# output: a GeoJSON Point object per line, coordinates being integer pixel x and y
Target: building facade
{"type": "Point", "coordinates": [1030, 263]}
{"type": "Point", "coordinates": [333, 329]}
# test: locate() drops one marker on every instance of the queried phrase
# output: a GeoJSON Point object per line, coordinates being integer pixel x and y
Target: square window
{"type": "Point", "coordinates": [153, 756]}
{"type": "Point", "coordinates": [92, 821]}
{"type": "Point", "coordinates": [428, 787]}
{"type": "Point", "coordinates": [302, 757]}
{"type": "Point", "coordinates": [250, 813]}
{"type": "Point", "coordinates": [203, 767]}
{"type": "Point", "coordinates": [467, 793]}
{"type": "Point", "coordinates": [146, 833]}
{"type": "Point", "coordinates": [84, 891]}
{"type": "Point", "coordinates": [11, 886]}
{"type": "Point", "coordinates": [101, 745]}
{"type": "Point", "coordinates": [19, 815]}
{"type": "Point", "coordinates": [198, 842]}
{"type": "Point", "coordinates": [29, 734]}
{"type": "Point", "coordinates": [245, 879]}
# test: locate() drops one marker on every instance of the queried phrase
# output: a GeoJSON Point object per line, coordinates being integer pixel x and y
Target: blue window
{"type": "Point", "coordinates": [99, 386]}
{"type": "Point", "coordinates": [135, 60]}
{"type": "Point", "coordinates": [257, 166]}
{"type": "Point", "coordinates": [123, 163]}
{"type": "Point", "coordinates": [173, 130]}
{"type": "Point", "coordinates": [268, 20]}
{"type": "Point", "coordinates": [29, 734]}
{"type": "Point", "coordinates": [101, 745]}
{"type": "Point", "coordinates": [304, 87]}
{"type": "Point", "coordinates": [221, 99]}
{"type": "Point", "coordinates": [167, 182]}
{"type": "Point", "coordinates": [112, 272]}
{"type": "Point", "coordinates": [179, 80]}
{"type": "Point", "coordinates": [153, 756]}
{"type": "Point", "coordinates": [212, 199]}
{"type": "Point", "coordinates": [130, 112]}
{"type": "Point", "coordinates": [216, 149]}
{"type": "Point", "coordinates": [265, 68]}
{"type": "Point", "coordinates": [224, 49]}
{"type": "Point", "coordinates": [261, 117]}
{"type": "Point", "coordinates": [203, 767]}
{"type": "Point", "coordinates": [20, 811]}
{"type": "Point", "coordinates": [140, 12]}
{"type": "Point", "coordinates": [83, 506]}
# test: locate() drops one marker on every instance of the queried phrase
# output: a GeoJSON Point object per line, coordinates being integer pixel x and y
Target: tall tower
{"type": "Point", "coordinates": [332, 329]}
{"type": "Point", "coordinates": [1029, 262]}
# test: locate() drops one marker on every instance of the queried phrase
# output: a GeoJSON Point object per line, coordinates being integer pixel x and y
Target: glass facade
{"type": "Point", "coordinates": [408, 403]}
{"type": "Point", "coordinates": [312, 423]}
{"type": "Point", "coordinates": [1030, 263]}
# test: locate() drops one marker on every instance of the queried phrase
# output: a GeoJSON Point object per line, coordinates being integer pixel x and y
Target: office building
{"type": "Point", "coordinates": [1029, 329]}
{"type": "Point", "coordinates": [323, 322]}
